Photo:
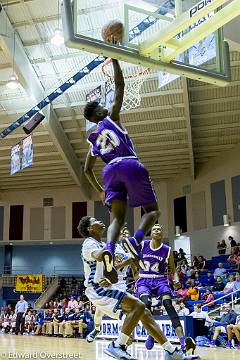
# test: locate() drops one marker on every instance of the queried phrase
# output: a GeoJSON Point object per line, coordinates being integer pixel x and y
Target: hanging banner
{"type": "Point", "coordinates": [29, 283]}
{"type": "Point", "coordinates": [27, 152]}
{"type": "Point", "coordinates": [15, 159]}
{"type": "Point", "coordinates": [94, 95]}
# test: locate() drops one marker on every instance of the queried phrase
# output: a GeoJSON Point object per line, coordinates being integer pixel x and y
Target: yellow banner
{"type": "Point", "coordinates": [30, 283]}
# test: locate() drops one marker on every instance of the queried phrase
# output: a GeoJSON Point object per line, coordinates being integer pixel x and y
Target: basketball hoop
{"type": "Point", "coordinates": [133, 83]}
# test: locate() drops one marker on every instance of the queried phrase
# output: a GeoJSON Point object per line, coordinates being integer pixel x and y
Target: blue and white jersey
{"type": "Point", "coordinates": [93, 270]}
{"type": "Point", "coordinates": [120, 256]}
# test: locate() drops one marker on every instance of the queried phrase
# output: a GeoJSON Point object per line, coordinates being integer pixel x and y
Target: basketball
{"type": "Point", "coordinates": [113, 31]}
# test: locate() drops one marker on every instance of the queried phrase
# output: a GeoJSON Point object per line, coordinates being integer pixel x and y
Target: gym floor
{"type": "Point", "coordinates": [20, 347]}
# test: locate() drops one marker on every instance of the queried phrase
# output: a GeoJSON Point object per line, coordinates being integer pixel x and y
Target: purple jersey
{"type": "Point", "coordinates": [110, 141]}
{"type": "Point", "coordinates": [155, 260]}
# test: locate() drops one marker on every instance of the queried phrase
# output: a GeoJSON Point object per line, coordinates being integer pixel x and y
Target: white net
{"type": "Point", "coordinates": [133, 84]}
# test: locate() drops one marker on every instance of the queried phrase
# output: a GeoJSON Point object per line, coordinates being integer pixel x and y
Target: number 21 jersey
{"type": "Point", "coordinates": [110, 141]}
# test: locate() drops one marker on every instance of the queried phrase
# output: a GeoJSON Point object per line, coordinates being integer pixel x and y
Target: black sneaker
{"type": "Point", "coordinates": [109, 271]}
{"type": "Point", "coordinates": [190, 346]}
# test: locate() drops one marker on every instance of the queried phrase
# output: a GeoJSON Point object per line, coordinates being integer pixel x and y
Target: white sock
{"type": "Point", "coordinates": [168, 347]}
{"type": "Point", "coordinates": [122, 339]}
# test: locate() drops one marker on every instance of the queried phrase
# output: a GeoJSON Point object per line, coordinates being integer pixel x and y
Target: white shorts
{"type": "Point", "coordinates": [107, 301]}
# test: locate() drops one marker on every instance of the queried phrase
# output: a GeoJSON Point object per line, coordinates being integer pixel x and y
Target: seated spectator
{"type": "Point", "coordinates": [193, 292]}
{"type": "Point", "coordinates": [229, 317]}
{"type": "Point", "coordinates": [78, 322]}
{"type": "Point", "coordinates": [87, 318]}
{"type": "Point", "coordinates": [197, 281]}
{"type": "Point", "coordinates": [209, 281]}
{"type": "Point", "coordinates": [182, 267]}
{"type": "Point", "coordinates": [29, 322]}
{"type": "Point", "coordinates": [39, 322]}
{"type": "Point", "coordinates": [57, 318]}
{"type": "Point", "coordinates": [183, 291]}
{"type": "Point", "coordinates": [195, 262]}
{"type": "Point", "coordinates": [72, 304]}
{"type": "Point", "coordinates": [199, 314]}
{"type": "Point", "coordinates": [63, 324]}
{"type": "Point", "coordinates": [218, 285]}
{"type": "Point", "coordinates": [182, 310]}
{"type": "Point", "coordinates": [229, 284]}
{"type": "Point", "coordinates": [234, 329]}
{"type": "Point", "coordinates": [6, 323]}
{"type": "Point", "coordinates": [191, 272]}
{"type": "Point", "coordinates": [208, 297]}
{"type": "Point", "coordinates": [12, 321]}
{"type": "Point", "coordinates": [236, 284]}
{"type": "Point", "coordinates": [234, 258]}
{"type": "Point", "coordinates": [219, 271]}
{"type": "Point", "coordinates": [47, 320]}
{"type": "Point", "coordinates": [65, 304]}
{"type": "Point", "coordinates": [68, 330]}
{"type": "Point", "coordinates": [202, 263]}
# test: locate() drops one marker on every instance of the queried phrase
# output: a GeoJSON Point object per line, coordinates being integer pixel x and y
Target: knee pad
{"type": "Point", "coordinates": [167, 303]}
{"type": "Point", "coordinates": [146, 300]}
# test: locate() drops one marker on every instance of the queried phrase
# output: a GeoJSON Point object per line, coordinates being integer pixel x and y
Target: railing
{"type": "Point", "coordinates": [233, 300]}
{"type": "Point", "coordinates": [22, 270]}
{"type": "Point", "coordinates": [56, 270]}
{"type": "Point", "coordinates": [66, 270]}
{"type": "Point", "coordinates": [48, 293]}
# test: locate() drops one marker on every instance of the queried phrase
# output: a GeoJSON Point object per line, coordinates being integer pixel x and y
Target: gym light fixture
{"type": "Point", "coordinates": [12, 83]}
{"type": "Point", "coordinates": [57, 38]}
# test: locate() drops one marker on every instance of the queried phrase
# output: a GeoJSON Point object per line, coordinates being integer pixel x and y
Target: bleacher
{"type": "Point", "coordinates": [212, 264]}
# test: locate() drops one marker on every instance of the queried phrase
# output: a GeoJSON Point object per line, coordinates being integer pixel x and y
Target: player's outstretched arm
{"type": "Point", "coordinates": [173, 268]}
{"type": "Point", "coordinates": [119, 91]}
{"type": "Point", "coordinates": [88, 170]}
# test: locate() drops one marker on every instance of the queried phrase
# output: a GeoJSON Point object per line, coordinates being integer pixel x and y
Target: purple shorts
{"type": "Point", "coordinates": [128, 180]}
{"type": "Point", "coordinates": [153, 287]}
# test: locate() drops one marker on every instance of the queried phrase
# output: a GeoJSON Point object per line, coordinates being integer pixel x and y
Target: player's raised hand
{"type": "Point", "coordinates": [102, 197]}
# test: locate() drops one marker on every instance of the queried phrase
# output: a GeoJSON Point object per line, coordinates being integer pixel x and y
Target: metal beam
{"type": "Point", "coordinates": [32, 85]}
{"type": "Point", "coordinates": [188, 124]}
{"type": "Point", "coordinates": [65, 149]}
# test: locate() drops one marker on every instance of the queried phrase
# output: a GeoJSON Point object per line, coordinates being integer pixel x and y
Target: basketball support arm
{"type": "Point", "coordinates": [167, 36]}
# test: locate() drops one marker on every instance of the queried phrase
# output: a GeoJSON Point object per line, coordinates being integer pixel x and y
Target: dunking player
{"type": "Point", "coordinates": [124, 176]}
{"type": "Point", "coordinates": [110, 300]}
{"type": "Point", "coordinates": [153, 282]}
